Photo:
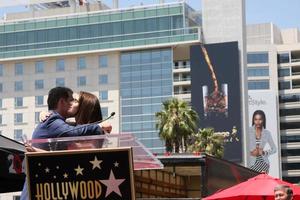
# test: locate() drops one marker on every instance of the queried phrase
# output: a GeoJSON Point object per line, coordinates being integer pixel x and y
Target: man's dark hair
{"type": "Point", "coordinates": [55, 94]}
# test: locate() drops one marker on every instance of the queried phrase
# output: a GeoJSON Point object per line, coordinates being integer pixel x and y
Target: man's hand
{"type": "Point", "coordinates": [30, 148]}
{"type": "Point", "coordinates": [44, 116]}
{"type": "Point", "coordinates": [106, 127]}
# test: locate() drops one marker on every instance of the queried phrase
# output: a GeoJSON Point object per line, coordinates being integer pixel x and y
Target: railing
{"type": "Point", "coordinates": [295, 60]}
{"type": "Point", "coordinates": [182, 92]}
{"type": "Point", "coordinates": [182, 67]}
{"type": "Point", "coordinates": [181, 79]}
{"type": "Point", "coordinates": [295, 73]}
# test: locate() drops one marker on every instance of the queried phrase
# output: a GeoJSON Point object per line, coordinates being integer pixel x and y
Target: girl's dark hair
{"type": "Point", "coordinates": [89, 110]}
{"type": "Point", "coordinates": [263, 116]}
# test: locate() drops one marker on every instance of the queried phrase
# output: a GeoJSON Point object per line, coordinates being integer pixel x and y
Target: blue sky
{"type": "Point", "coordinates": [283, 13]}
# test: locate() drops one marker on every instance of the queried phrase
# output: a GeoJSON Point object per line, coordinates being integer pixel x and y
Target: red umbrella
{"type": "Point", "coordinates": [256, 188]}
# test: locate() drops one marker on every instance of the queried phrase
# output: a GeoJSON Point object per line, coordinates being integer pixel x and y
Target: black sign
{"type": "Point", "coordinates": [12, 170]}
{"type": "Point", "coordinates": [216, 93]}
{"type": "Point", "coordinates": [84, 174]}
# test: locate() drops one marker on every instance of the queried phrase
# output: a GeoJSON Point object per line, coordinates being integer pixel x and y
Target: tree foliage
{"type": "Point", "coordinates": [206, 140]}
{"type": "Point", "coordinates": [176, 122]}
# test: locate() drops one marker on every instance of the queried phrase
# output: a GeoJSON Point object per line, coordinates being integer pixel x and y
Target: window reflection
{"type": "Point", "coordinates": [261, 57]}
{"type": "Point", "coordinates": [146, 81]}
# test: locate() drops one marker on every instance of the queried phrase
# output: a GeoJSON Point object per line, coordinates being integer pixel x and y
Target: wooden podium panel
{"type": "Point", "coordinates": [81, 174]}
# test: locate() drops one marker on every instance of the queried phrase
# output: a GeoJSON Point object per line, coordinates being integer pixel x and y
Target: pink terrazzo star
{"type": "Point", "coordinates": [112, 184]}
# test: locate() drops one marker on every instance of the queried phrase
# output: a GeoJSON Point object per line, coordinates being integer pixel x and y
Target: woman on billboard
{"type": "Point", "coordinates": [258, 138]}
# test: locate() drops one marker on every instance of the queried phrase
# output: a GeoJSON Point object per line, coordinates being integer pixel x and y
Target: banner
{"type": "Point", "coordinates": [216, 93]}
{"type": "Point", "coordinates": [263, 107]}
{"type": "Point", "coordinates": [84, 174]}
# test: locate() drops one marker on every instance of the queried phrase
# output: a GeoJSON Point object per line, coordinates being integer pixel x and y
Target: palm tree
{"type": "Point", "coordinates": [175, 123]}
{"type": "Point", "coordinates": [206, 140]}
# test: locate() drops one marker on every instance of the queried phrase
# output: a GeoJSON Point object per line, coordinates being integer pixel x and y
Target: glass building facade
{"type": "Point", "coordinates": [145, 82]}
{"type": "Point", "coordinates": [99, 30]}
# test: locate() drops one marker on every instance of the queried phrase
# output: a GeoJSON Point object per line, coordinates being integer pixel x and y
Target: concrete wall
{"type": "Point", "coordinates": [290, 36]}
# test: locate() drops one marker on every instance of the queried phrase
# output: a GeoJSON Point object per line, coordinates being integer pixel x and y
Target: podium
{"type": "Point", "coordinates": [86, 167]}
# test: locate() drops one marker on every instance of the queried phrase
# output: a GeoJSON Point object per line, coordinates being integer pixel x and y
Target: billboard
{"type": "Point", "coordinates": [216, 93]}
{"type": "Point", "coordinates": [263, 133]}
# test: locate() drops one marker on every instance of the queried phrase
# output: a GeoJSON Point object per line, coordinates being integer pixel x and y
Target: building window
{"type": "Point", "coordinates": [103, 95]}
{"type": "Point", "coordinates": [1, 69]}
{"type": "Point", "coordinates": [261, 57]}
{"type": "Point", "coordinates": [290, 112]}
{"type": "Point", "coordinates": [19, 69]}
{"type": "Point", "coordinates": [81, 81]}
{"type": "Point", "coordinates": [258, 85]}
{"type": "Point", "coordinates": [60, 82]}
{"type": "Point", "coordinates": [1, 105]}
{"type": "Point", "coordinates": [103, 61]}
{"type": "Point", "coordinates": [1, 87]}
{"type": "Point", "coordinates": [18, 86]}
{"type": "Point", "coordinates": [283, 58]}
{"type": "Point", "coordinates": [60, 65]}
{"type": "Point", "coordinates": [37, 117]}
{"type": "Point", "coordinates": [284, 72]}
{"type": "Point", "coordinates": [18, 134]}
{"type": "Point", "coordinates": [17, 197]}
{"type": "Point", "coordinates": [18, 118]}
{"type": "Point", "coordinates": [258, 71]}
{"type": "Point", "coordinates": [39, 84]}
{"type": "Point", "coordinates": [288, 98]}
{"type": "Point", "coordinates": [284, 85]}
{"type": "Point", "coordinates": [39, 67]}
{"type": "Point", "coordinates": [18, 102]}
{"type": "Point", "coordinates": [1, 120]}
{"type": "Point", "coordinates": [81, 64]}
{"type": "Point", "coordinates": [103, 79]}
{"type": "Point", "coordinates": [39, 100]}
{"type": "Point", "coordinates": [104, 111]}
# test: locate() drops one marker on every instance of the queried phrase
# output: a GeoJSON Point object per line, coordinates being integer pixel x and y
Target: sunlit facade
{"type": "Point", "coordinates": [124, 56]}
{"type": "Point", "coordinates": [274, 64]}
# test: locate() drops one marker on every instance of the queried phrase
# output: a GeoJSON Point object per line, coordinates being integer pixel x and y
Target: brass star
{"type": "Point", "coordinates": [79, 170]}
{"type": "Point", "coordinates": [96, 163]}
{"type": "Point", "coordinates": [65, 175]}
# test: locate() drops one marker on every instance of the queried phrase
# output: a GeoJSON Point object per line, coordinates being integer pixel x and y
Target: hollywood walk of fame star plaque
{"type": "Point", "coordinates": [81, 174]}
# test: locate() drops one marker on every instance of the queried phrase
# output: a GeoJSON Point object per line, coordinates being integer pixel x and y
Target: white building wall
{"type": "Point", "coordinates": [49, 76]}
{"type": "Point", "coordinates": [290, 36]}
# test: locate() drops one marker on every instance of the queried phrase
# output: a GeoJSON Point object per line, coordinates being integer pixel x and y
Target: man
{"type": "Point", "coordinates": [283, 192]}
{"type": "Point", "coordinates": [63, 105]}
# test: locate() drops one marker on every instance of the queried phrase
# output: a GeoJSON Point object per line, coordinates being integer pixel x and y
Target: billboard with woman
{"type": "Point", "coordinates": [263, 134]}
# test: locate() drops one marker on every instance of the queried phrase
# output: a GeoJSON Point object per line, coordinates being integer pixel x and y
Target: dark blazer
{"type": "Point", "coordinates": [56, 126]}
